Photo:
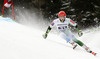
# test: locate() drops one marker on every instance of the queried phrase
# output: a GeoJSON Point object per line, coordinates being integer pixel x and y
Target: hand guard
{"type": "Point", "coordinates": [45, 35]}
{"type": "Point", "coordinates": [80, 33]}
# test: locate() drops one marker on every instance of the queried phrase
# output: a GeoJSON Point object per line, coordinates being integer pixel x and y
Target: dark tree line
{"type": "Point", "coordinates": [85, 12]}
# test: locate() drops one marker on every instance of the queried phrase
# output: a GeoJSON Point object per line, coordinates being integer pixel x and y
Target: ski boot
{"type": "Point", "coordinates": [88, 50]}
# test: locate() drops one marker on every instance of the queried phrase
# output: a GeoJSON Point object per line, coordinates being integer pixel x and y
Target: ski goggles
{"type": "Point", "coordinates": [62, 17]}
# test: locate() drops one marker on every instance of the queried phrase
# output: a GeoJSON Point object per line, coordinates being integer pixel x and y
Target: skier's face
{"type": "Point", "coordinates": [62, 18]}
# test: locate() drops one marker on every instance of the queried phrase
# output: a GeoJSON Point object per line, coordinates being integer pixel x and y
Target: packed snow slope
{"type": "Point", "coordinates": [21, 42]}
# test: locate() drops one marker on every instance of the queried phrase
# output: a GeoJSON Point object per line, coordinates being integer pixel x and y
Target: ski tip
{"type": "Point", "coordinates": [94, 53]}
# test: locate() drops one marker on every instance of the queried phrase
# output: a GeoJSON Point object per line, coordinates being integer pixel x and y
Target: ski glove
{"type": "Point", "coordinates": [80, 33]}
{"type": "Point", "coordinates": [45, 35]}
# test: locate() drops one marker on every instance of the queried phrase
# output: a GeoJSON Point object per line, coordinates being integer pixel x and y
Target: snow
{"type": "Point", "coordinates": [21, 42]}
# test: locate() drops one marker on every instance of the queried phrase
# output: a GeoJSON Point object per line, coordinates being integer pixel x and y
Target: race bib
{"type": "Point", "coordinates": [62, 27]}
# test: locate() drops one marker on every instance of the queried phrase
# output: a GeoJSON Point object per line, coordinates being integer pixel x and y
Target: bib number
{"type": "Point", "coordinates": [63, 27]}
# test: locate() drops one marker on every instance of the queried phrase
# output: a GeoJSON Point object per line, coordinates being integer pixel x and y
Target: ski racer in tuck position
{"type": "Point", "coordinates": [62, 25]}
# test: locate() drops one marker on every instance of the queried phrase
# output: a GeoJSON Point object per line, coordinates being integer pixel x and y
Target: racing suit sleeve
{"type": "Point", "coordinates": [77, 28]}
{"type": "Point", "coordinates": [50, 27]}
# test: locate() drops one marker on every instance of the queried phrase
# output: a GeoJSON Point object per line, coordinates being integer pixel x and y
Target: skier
{"type": "Point", "coordinates": [62, 25]}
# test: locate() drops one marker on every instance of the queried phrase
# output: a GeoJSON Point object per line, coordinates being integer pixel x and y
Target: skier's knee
{"type": "Point", "coordinates": [68, 40]}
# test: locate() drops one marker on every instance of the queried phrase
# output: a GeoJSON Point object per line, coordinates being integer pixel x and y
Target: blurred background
{"type": "Point", "coordinates": [84, 12]}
